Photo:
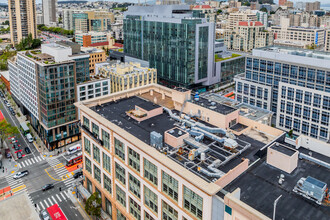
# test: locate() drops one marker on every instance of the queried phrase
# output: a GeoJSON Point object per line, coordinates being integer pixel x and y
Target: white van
{"type": "Point", "coordinates": [73, 149]}
{"type": "Point", "coordinates": [29, 137]}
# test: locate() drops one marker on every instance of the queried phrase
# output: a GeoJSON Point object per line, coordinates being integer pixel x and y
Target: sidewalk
{"type": "Point", "coordinates": [9, 166]}
{"type": "Point", "coordinates": [79, 204]}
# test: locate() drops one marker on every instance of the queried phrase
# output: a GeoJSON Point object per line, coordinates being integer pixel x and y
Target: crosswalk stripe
{"type": "Point", "coordinates": [58, 198]}
{"type": "Point", "coordinates": [43, 207]}
{"type": "Point", "coordinates": [37, 159]}
{"type": "Point", "coordinates": [54, 199]}
{"type": "Point", "coordinates": [46, 203]}
{"type": "Point", "coordinates": [63, 196]}
{"type": "Point", "coordinates": [23, 164]}
{"type": "Point", "coordinates": [66, 194]}
{"type": "Point", "coordinates": [19, 165]}
{"type": "Point", "coordinates": [50, 201]}
{"type": "Point", "coordinates": [27, 162]}
{"type": "Point", "coordinates": [32, 160]}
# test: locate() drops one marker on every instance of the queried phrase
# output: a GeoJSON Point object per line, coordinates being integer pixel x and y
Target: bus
{"type": "Point", "coordinates": [24, 128]}
{"type": "Point", "coordinates": [74, 159]}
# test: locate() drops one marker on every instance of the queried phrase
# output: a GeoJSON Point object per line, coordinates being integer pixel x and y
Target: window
{"type": "Point", "coordinates": [311, 75]}
{"type": "Point", "coordinates": [150, 199]}
{"type": "Point", "coordinates": [302, 73]}
{"type": "Point", "coordinates": [308, 98]}
{"type": "Point", "coordinates": [96, 153]}
{"type": "Point", "coordinates": [317, 100]}
{"type": "Point", "coordinates": [134, 209]}
{"type": "Point", "coordinates": [120, 215]}
{"type": "Point", "coordinates": [106, 139]}
{"type": "Point", "coordinates": [106, 162]}
{"type": "Point", "coordinates": [307, 113]}
{"type": "Point", "coordinates": [120, 173]}
{"type": "Point", "coordinates": [86, 122]}
{"type": "Point", "coordinates": [193, 202]}
{"type": "Point", "coordinates": [326, 102]}
{"type": "Point", "coordinates": [297, 110]}
{"type": "Point", "coordinates": [150, 172]}
{"type": "Point", "coordinates": [324, 133]}
{"type": "Point", "coordinates": [108, 207]}
{"type": "Point", "coordinates": [170, 186]}
{"type": "Point", "coordinates": [255, 64]}
{"type": "Point", "coordinates": [289, 108]}
{"type": "Point", "coordinates": [168, 212]}
{"type": "Point", "coordinates": [121, 196]}
{"type": "Point", "coordinates": [147, 216]}
{"type": "Point", "coordinates": [296, 125]}
{"type": "Point", "coordinates": [133, 159]}
{"type": "Point", "coordinates": [314, 130]}
{"type": "Point", "coordinates": [290, 94]}
{"type": "Point", "coordinates": [119, 149]}
{"type": "Point", "coordinates": [87, 145]}
{"type": "Point", "coordinates": [97, 174]}
{"type": "Point", "coordinates": [107, 183]}
{"type": "Point", "coordinates": [316, 115]}
{"type": "Point", "coordinates": [299, 95]}
{"type": "Point", "coordinates": [325, 118]}
{"type": "Point", "coordinates": [88, 165]}
{"type": "Point", "coordinates": [281, 123]}
{"type": "Point", "coordinates": [305, 128]}
{"type": "Point", "coordinates": [288, 122]}
{"type": "Point", "coordinates": [95, 130]}
{"type": "Point", "coordinates": [134, 185]}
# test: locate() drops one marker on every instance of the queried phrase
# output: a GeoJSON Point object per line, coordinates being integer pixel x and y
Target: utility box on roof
{"type": "Point", "coordinates": [156, 140]}
{"type": "Point", "coordinates": [282, 157]}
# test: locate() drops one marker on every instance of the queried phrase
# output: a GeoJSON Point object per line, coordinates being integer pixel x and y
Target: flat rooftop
{"type": "Point", "coordinates": [115, 112]}
{"type": "Point", "coordinates": [261, 179]}
{"type": "Point", "coordinates": [215, 106]}
{"type": "Point", "coordinates": [283, 149]}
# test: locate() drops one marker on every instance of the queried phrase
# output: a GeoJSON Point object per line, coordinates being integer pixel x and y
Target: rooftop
{"type": "Point", "coordinates": [215, 106]}
{"type": "Point", "coordinates": [262, 179]}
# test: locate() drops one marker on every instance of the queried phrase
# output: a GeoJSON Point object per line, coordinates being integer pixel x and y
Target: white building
{"type": "Point", "coordinates": [49, 11]}
{"type": "Point", "coordinates": [93, 88]}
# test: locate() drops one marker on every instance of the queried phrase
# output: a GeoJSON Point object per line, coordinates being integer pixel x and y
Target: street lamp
{"type": "Point", "coordinates": [275, 203]}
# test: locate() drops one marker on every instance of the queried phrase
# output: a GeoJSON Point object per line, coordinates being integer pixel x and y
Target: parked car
{"type": "Point", "coordinates": [8, 154]}
{"type": "Point", "coordinates": [21, 174]}
{"type": "Point", "coordinates": [27, 150]}
{"type": "Point", "coordinates": [8, 105]}
{"type": "Point", "coordinates": [47, 187]}
{"type": "Point", "coordinates": [19, 155]}
{"type": "Point", "coordinates": [6, 102]}
{"type": "Point", "coordinates": [78, 174]}
{"type": "Point", "coordinates": [13, 140]}
{"type": "Point", "coordinates": [44, 215]}
{"type": "Point", "coordinates": [16, 147]}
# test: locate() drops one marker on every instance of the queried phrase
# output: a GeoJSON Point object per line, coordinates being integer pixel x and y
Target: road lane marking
{"type": "Point", "coordinates": [63, 196]}
{"type": "Point", "coordinates": [46, 203]}
{"type": "Point", "coordinates": [12, 171]}
{"type": "Point", "coordinates": [19, 165]}
{"type": "Point", "coordinates": [58, 198]}
{"type": "Point", "coordinates": [43, 207]}
{"type": "Point", "coordinates": [32, 160]}
{"type": "Point", "coordinates": [67, 195]}
{"type": "Point", "coordinates": [51, 176]}
{"type": "Point", "coordinates": [18, 188]}
{"type": "Point", "coordinates": [27, 162]}
{"type": "Point", "coordinates": [54, 199]}
{"type": "Point", "coordinates": [50, 201]}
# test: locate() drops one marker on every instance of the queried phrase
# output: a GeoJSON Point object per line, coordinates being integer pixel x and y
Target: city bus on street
{"type": "Point", "coordinates": [73, 160]}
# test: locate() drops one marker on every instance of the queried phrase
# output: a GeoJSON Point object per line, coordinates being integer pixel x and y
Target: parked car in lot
{"type": "Point", "coordinates": [78, 174]}
{"type": "Point", "coordinates": [27, 150]}
{"type": "Point", "coordinates": [19, 155]}
{"type": "Point", "coordinates": [21, 174]}
{"type": "Point", "coordinates": [47, 187]}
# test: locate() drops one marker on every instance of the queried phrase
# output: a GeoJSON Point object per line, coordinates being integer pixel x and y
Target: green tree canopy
{"type": "Point", "coordinates": [28, 43]}
{"type": "Point", "coordinates": [6, 131]}
{"type": "Point", "coordinates": [56, 30]}
{"type": "Point", "coordinates": [93, 205]}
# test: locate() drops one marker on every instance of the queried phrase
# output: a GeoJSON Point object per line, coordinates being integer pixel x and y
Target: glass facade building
{"type": "Point", "coordinates": [296, 86]}
{"type": "Point", "coordinates": [179, 47]}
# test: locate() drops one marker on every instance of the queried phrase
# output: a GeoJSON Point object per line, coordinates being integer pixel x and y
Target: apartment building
{"type": "Point", "coordinates": [327, 41]}
{"type": "Point", "coordinates": [293, 83]}
{"type": "Point", "coordinates": [50, 109]}
{"type": "Point", "coordinates": [310, 35]}
{"type": "Point", "coordinates": [49, 11]}
{"type": "Point", "coordinates": [146, 164]}
{"type": "Point", "coordinates": [235, 17]}
{"type": "Point", "coordinates": [92, 21]}
{"type": "Point", "coordinates": [95, 56]}
{"type": "Point", "coordinates": [184, 56]}
{"type": "Point", "coordinates": [96, 87]}
{"type": "Point", "coordinates": [247, 36]}
{"type": "Point", "coordinates": [22, 19]}
{"type": "Point", "coordinates": [124, 76]}
{"type": "Point", "coordinates": [312, 6]}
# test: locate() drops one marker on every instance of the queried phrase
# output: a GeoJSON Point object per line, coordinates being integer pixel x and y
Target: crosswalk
{"type": "Point", "coordinates": [30, 161]}
{"type": "Point", "coordinates": [51, 200]}
{"type": "Point", "coordinates": [15, 185]}
{"type": "Point", "coordinates": [61, 171]}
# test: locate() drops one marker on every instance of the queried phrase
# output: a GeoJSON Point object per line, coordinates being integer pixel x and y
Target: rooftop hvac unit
{"type": "Point", "coordinates": [156, 140]}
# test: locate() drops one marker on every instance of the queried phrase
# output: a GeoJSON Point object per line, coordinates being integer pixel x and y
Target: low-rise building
{"type": "Point", "coordinates": [124, 76]}
{"type": "Point", "coordinates": [97, 86]}
{"type": "Point", "coordinates": [327, 41]}
{"type": "Point", "coordinates": [95, 56]}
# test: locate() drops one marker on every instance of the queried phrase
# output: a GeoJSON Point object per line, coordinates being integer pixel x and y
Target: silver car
{"type": "Point", "coordinates": [21, 174]}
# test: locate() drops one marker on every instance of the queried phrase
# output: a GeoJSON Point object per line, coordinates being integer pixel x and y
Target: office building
{"type": "Point", "coordinates": [145, 162]}
{"type": "Point", "coordinates": [22, 19]}
{"type": "Point", "coordinates": [92, 38]}
{"type": "Point", "coordinates": [95, 56]}
{"type": "Point", "coordinates": [49, 11]}
{"type": "Point", "coordinates": [294, 84]}
{"type": "Point", "coordinates": [97, 86]}
{"type": "Point", "coordinates": [68, 18]}
{"type": "Point", "coordinates": [179, 45]}
{"type": "Point", "coordinates": [124, 76]}
{"type": "Point", "coordinates": [310, 35]}
{"type": "Point", "coordinates": [45, 89]}
{"type": "Point", "coordinates": [312, 6]}
{"type": "Point", "coordinates": [247, 36]}
{"type": "Point", "coordinates": [92, 21]}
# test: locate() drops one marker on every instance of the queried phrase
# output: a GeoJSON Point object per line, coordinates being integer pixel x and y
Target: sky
{"type": "Point", "coordinates": [322, 1]}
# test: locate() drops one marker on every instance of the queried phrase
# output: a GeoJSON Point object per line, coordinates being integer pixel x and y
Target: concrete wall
{"type": "Point", "coordinates": [313, 145]}
{"type": "Point", "coordinates": [218, 208]}
{"type": "Point", "coordinates": [282, 161]}
{"type": "Point", "coordinates": [233, 173]}
{"type": "Point", "coordinates": [175, 141]}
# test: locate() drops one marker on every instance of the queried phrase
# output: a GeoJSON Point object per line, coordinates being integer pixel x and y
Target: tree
{"type": "Point", "coordinates": [28, 43]}
{"type": "Point", "coordinates": [6, 131]}
{"type": "Point", "coordinates": [290, 133]}
{"type": "Point", "coordinates": [264, 10]}
{"type": "Point", "coordinates": [93, 205]}
{"type": "Point", "coordinates": [219, 11]}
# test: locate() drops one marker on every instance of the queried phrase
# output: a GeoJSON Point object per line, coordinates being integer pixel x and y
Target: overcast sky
{"type": "Point", "coordinates": [322, 1]}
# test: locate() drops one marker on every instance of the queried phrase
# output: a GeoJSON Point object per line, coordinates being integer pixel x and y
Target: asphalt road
{"type": "Point", "coordinates": [42, 171]}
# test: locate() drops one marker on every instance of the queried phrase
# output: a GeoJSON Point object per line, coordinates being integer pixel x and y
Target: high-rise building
{"type": "Point", "coordinates": [312, 6]}
{"type": "Point", "coordinates": [294, 84]}
{"type": "Point", "coordinates": [235, 17]}
{"type": "Point", "coordinates": [179, 45]}
{"type": "Point", "coordinates": [22, 19]}
{"type": "Point", "coordinates": [49, 11]}
{"type": "Point", "coordinates": [92, 21]}
{"type": "Point", "coordinates": [282, 2]}
{"type": "Point", "coordinates": [45, 89]}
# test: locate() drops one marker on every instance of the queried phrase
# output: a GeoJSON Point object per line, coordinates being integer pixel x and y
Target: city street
{"type": "Point", "coordinates": [42, 170]}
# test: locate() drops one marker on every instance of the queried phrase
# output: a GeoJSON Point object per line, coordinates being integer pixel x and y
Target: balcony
{"type": "Point", "coordinates": [91, 134]}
